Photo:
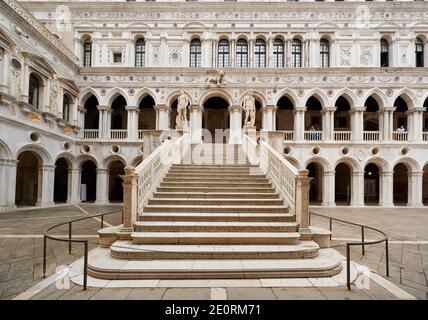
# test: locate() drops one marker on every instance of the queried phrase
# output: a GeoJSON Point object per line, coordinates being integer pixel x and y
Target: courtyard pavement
{"type": "Point", "coordinates": [21, 251]}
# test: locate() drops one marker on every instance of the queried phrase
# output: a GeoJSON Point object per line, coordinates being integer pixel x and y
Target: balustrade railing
{"type": "Point", "coordinates": [342, 135]}
{"type": "Point", "coordinates": [90, 133]}
{"type": "Point", "coordinates": [425, 135]}
{"type": "Point", "coordinates": [118, 134]}
{"type": "Point", "coordinates": [140, 134]}
{"type": "Point", "coordinates": [288, 135]}
{"type": "Point", "coordinates": [371, 135]}
{"type": "Point", "coordinates": [400, 136]}
{"type": "Point", "coordinates": [313, 135]}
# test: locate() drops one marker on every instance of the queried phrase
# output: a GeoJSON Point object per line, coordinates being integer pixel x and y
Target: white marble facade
{"type": "Point", "coordinates": [315, 70]}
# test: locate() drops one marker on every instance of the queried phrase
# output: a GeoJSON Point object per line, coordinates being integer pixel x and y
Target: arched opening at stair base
{"type": "Point", "coordinates": [215, 120]}
{"type": "Point", "coordinates": [116, 169]}
{"type": "Point", "coordinates": [400, 185]}
{"type": "Point", "coordinates": [27, 179]}
{"type": "Point", "coordinates": [371, 184]}
{"type": "Point", "coordinates": [425, 185]}
{"type": "Point", "coordinates": [88, 182]}
{"type": "Point", "coordinates": [343, 184]}
{"type": "Point", "coordinates": [315, 190]}
{"type": "Point", "coordinates": [61, 181]}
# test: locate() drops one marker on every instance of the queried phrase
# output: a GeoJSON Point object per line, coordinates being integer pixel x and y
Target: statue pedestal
{"type": "Point", "coordinates": [181, 128]}
{"type": "Point", "coordinates": [249, 128]}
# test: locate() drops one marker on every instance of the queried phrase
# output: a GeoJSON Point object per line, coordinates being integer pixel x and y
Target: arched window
{"type": "Point", "coordinates": [260, 54]}
{"type": "Point", "coordinates": [87, 53]}
{"type": "Point", "coordinates": [140, 53]}
{"type": "Point", "coordinates": [33, 91]}
{"type": "Point", "coordinates": [241, 53]}
{"type": "Point", "coordinates": [223, 53]}
{"type": "Point", "coordinates": [384, 53]}
{"type": "Point", "coordinates": [278, 53]}
{"type": "Point", "coordinates": [296, 53]}
{"type": "Point", "coordinates": [324, 53]}
{"type": "Point", "coordinates": [66, 108]}
{"type": "Point", "coordinates": [195, 53]}
{"type": "Point", "coordinates": [419, 52]}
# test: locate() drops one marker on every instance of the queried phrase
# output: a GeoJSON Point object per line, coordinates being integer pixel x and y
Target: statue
{"type": "Point", "coordinates": [182, 104]}
{"type": "Point", "coordinates": [216, 77]}
{"type": "Point", "coordinates": [249, 106]}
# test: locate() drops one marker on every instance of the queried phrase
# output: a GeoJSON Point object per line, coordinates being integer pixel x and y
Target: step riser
{"type": "Point", "coordinates": [213, 166]}
{"type": "Point", "coordinates": [243, 209]}
{"type": "Point", "coordinates": [246, 184]}
{"type": "Point", "coordinates": [218, 175]}
{"type": "Point", "coordinates": [181, 195]}
{"type": "Point", "coordinates": [231, 218]}
{"type": "Point", "coordinates": [214, 240]}
{"type": "Point", "coordinates": [267, 190]}
{"type": "Point", "coordinates": [214, 255]}
{"type": "Point", "coordinates": [215, 228]}
{"type": "Point", "coordinates": [214, 202]}
{"type": "Point", "coordinates": [210, 179]}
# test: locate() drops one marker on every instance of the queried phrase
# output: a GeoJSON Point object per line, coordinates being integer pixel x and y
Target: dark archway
{"type": "Point", "coordinates": [315, 190]}
{"type": "Point", "coordinates": [284, 115]}
{"type": "Point", "coordinates": [342, 119]}
{"type": "Point", "coordinates": [371, 115]}
{"type": "Point", "coordinates": [115, 190]}
{"type": "Point", "coordinates": [401, 185]}
{"type": "Point", "coordinates": [216, 117]}
{"type": "Point", "coordinates": [119, 118]}
{"type": "Point", "coordinates": [61, 180]}
{"type": "Point", "coordinates": [343, 184]}
{"type": "Point", "coordinates": [88, 180]}
{"type": "Point", "coordinates": [92, 115]}
{"type": "Point", "coordinates": [400, 117]}
{"type": "Point", "coordinates": [147, 116]}
{"type": "Point", "coordinates": [371, 184]}
{"type": "Point", "coordinates": [27, 178]}
{"type": "Point", "coordinates": [313, 114]}
{"type": "Point", "coordinates": [425, 117]}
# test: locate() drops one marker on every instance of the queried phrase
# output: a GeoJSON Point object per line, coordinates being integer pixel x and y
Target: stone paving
{"type": "Point", "coordinates": [408, 261]}
{"type": "Point", "coordinates": [21, 257]}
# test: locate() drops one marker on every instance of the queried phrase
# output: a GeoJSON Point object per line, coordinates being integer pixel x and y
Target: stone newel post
{"type": "Point", "coordinates": [130, 199]}
{"type": "Point", "coordinates": [302, 199]}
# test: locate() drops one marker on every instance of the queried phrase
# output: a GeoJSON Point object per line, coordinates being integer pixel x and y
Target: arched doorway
{"type": "Point", "coordinates": [115, 190]}
{"type": "Point", "coordinates": [61, 180]}
{"type": "Point", "coordinates": [425, 185]}
{"type": "Point", "coordinates": [400, 117]}
{"type": "Point", "coordinates": [371, 184]}
{"type": "Point", "coordinates": [400, 184]}
{"type": "Point", "coordinates": [342, 120]}
{"type": "Point", "coordinates": [313, 114]}
{"type": "Point", "coordinates": [284, 115]}
{"type": "Point", "coordinates": [92, 113]}
{"type": "Point", "coordinates": [315, 190]}
{"type": "Point", "coordinates": [27, 179]}
{"type": "Point", "coordinates": [371, 115]}
{"type": "Point", "coordinates": [119, 118]}
{"type": "Point", "coordinates": [88, 181]}
{"type": "Point", "coordinates": [342, 184]}
{"type": "Point", "coordinates": [147, 116]}
{"type": "Point", "coordinates": [216, 117]}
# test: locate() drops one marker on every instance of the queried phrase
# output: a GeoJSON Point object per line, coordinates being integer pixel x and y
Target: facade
{"type": "Point", "coordinates": [86, 90]}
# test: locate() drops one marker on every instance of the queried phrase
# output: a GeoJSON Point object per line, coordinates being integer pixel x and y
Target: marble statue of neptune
{"type": "Point", "coordinates": [249, 106]}
{"type": "Point", "coordinates": [182, 104]}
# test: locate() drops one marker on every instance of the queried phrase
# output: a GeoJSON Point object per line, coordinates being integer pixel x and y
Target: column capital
{"type": "Point", "coordinates": [416, 110]}
{"type": "Point", "coordinates": [357, 173]}
{"type": "Point", "coordinates": [357, 109]}
{"type": "Point", "coordinates": [269, 107]}
{"type": "Point", "coordinates": [387, 173]}
{"type": "Point", "coordinates": [162, 107]}
{"type": "Point", "coordinates": [329, 173]}
{"type": "Point", "coordinates": [387, 109]}
{"type": "Point", "coordinates": [132, 108]}
{"type": "Point", "coordinates": [104, 108]}
{"type": "Point", "coordinates": [235, 108]}
{"type": "Point", "coordinates": [299, 109]}
{"type": "Point", "coordinates": [196, 108]}
{"type": "Point", "coordinates": [328, 109]}
{"type": "Point", "coordinates": [101, 170]}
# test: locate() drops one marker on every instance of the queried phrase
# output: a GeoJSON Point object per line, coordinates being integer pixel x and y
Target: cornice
{"type": "Point", "coordinates": [15, 10]}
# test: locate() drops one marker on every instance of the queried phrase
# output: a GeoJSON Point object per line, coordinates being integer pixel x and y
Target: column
{"type": "Point", "coordinates": [235, 116]}
{"type": "Point", "coordinates": [10, 182]}
{"type": "Point", "coordinates": [386, 189]}
{"type": "Point", "coordinates": [73, 195]}
{"type": "Point", "coordinates": [270, 61]}
{"type": "Point", "coordinates": [130, 200]}
{"type": "Point", "coordinates": [268, 123]}
{"type": "Point", "coordinates": [302, 199]}
{"type": "Point", "coordinates": [162, 117]}
{"type": "Point", "coordinates": [357, 189]}
{"type": "Point", "coordinates": [45, 186]}
{"type": "Point", "coordinates": [232, 51]}
{"type": "Point", "coordinates": [132, 114]}
{"type": "Point", "coordinates": [328, 123]}
{"type": "Point", "coordinates": [196, 123]}
{"type": "Point", "coordinates": [357, 124]}
{"type": "Point", "coordinates": [104, 122]}
{"type": "Point", "coordinates": [415, 182]}
{"type": "Point", "coordinates": [414, 124]}
{"type": "Point", "coordinates": [102, 186]}
{"type": "Point", "coordinates": [251, 52]}
{"type": "Point", "coordinates": [386, 123]}
{"type": "Point", "coordinates": [299, 124]}
{"type": "Point", "coordinates": [4, 81]}
{"type": "Point", "coordinates": [328, 188]}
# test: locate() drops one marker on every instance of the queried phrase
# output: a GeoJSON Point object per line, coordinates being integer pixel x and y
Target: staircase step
{"type": "Point", "coordinates": [213, 166]}
{"type": "Point", "coordinates": [215, 209]}
{"type": "Point", "coordinates": [236, 189]}
{"type": "Point", "coordinates": [215, 175]}
{"type": "Point", "coordinates": [215, 180]}
{"type": "Point", "coordinates": [215, 237]}
{"type": "Point", "coordinates": [214, 195]}
{"type": "Point", "coordinates": [127, 250]}
{"type": "Point", "coordinates": [247, 184]}
{"type": "Point", "coordinates": [215, 202]}
{"type": "Point", "coordinates": [189, 216]}
{"type": "Point", "coordinates": [216, 226]}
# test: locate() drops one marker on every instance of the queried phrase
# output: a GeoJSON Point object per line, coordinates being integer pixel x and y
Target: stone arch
{"type": "Point", "coordinates": [86, 157]}
{"type": "Point", "coordinates": [41, 152]}
{"type": "Point", "coordinates": [319, 95]}
{"type": "Point", "coordinates": [144, 92]}
{"type": "Point", "coordinates": [5, 152]}
{"type": "Point", "coordinates": [210, 93]}
{"type": "Point", "coordinates": [175, 94]}
{"type": "Point", "coordinates": [290, 94]}
{"type": "Point", "coordinates": [408, 96]}
{"type": "Point", "coordinates": [383, 164]}
{"type": "Point", "coordinates": [293, 161]}
{"type": "Point", "coordinates": [319, 160]}
{"type": "Point", "coordinates": [111, 158]}
{"type": "Point", "coordinates": [137, 160]}
{"type": "Point", "coordinates": [85, 94]}
{"type": "Point", "coordinates": [257, 95]}
{"type": "Point", "coordinates": [69, 157]}
{"type": "Point", "coordinates": [378, 95]}
{"type": "Point", "coordinates": [113, 94]}
{"type": "Point", "coordinates": [351, 162]}
{"type": "Point", "coordinates": [411, 164]}
{"type": "Point", "coordinates": [349, 95]}
{"type": "Point", "coordinates": [29, 179]}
